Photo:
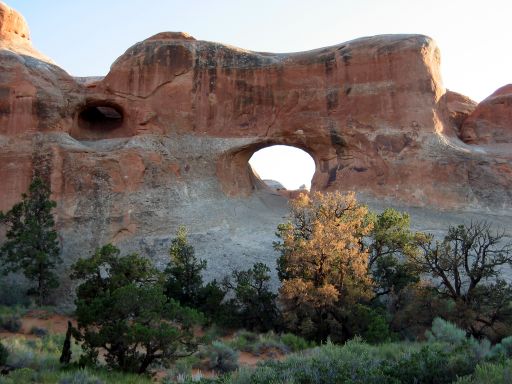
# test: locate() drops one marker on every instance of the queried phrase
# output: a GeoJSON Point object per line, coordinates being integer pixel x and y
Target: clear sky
{"type": "Point", "coordinates": [292, 167]}
{"type": "Point", "coordinates": [86, 36]}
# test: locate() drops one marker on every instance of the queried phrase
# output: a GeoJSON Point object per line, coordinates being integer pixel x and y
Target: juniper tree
{"type": "Point", "coordinates": [322, 266]}
{"type": "Point", "coordinates": [468, 268]}
{"type": "Point", "coordinates": [32, 244]}
{"type": "Point", "coordinates": [123, 314]}
{"type": "Point", "coordinates": [184, 280]}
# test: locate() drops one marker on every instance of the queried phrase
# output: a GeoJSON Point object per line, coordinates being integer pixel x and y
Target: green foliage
{"type": "Point", "coordinates": [222, 358]}
{"type": "Point", "coordinates": [37, 361]}
{"type": "Point", "coordinates": [39, 354]}
{"type": "Point", "coordinates": [122, 309]}
{"type": "Point", "coordinates": [390, 245]}
{"type": "Point", "coordinates": [82, 376]}
{"type": "Point", "coordinates": [184, 271]}
{"type": "Point", "coordinates": [295, 343]}
{"type": "Point", "coordinates": [447, 332]}
{"type": "Point", "coordinates": [322, 266]}
{"type": "Point", "coordinates": [369, 323]}
{"type": "Point", "coordinates": [10, 322]}
{"type": "Point", "coordinates": [503, 349]}
{"type": "Point", "coordinates": [432, 364]}
{"type": "Point", "coordinates": [269, 342]}
{"type": "Point", "coordinates": [39, 332]}
{"type": "Point", "coordinates": [466, 268]}
{"type": "Point", "coordinates": [489, 373]}
{"type": "Point", "coordinates": [254, 302]}
{"type": "Point", "coordinates": [436, 361]}
{"type": "Point", "coordinates": [32, 245]}
{"type": "Point", "coordinates": [12, 293]}
{"type": "Point", "coordinates": [4, 354]}
{"type": "Point", "coordinates": [184, 281]}
{"type": "Point", "coordinates": [357, 363]}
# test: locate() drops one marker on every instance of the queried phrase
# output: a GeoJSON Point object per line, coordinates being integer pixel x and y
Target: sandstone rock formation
{"type": "Point", "coordinates": [491, 121]}
{"type": "Point", "coordinates": [165, 137]}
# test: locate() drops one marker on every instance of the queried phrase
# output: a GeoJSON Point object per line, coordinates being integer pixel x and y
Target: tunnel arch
{"type": "Point", "coordinates": [237, 177]}
{"type": "Point", "coordinates": [283, 167]}
{"type": "Point", "coordinates": [103, 117]}
{"type": "Point", "coordinates": [100, 119]}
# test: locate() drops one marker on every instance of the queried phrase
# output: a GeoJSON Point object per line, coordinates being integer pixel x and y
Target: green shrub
{"type": "Point", "coordinates": [445, 331]}
{"type": "Point", "coordinates": [254, 302]}
{"type": "Point", "coordinates": [359, 362]}
{"type": "Point", "coordinates": [222, 358]}
{"type": "Point", "coordinates": [23, 375]}
{"type": "Point", "coordinates": [244, 341]}
{"type": "Point", "coordinates": [182, 368]}
{"type": "Point", "coordinates": [432, 364]}
{"type": "Point", "coordinates": [489, 373]}
{"type": "Point", "coordinates": [184, 281]}
{"type": "Point", "coordinates": [4, 354]}
{"type": "Point", "coordinates": [121, 303]}
{"type": "Point", "coordinates": [12, 293]}
{"type": "Point", "coordinates": [268, 342]}
{"type": "Point", "coordinates": [82, 376]}
{"type": "Point", "coordinates": [10, 323]}
{"type": "Point", "coordinates": [503, 349]}
{"type": "Point", "coordinates": [296, 343]}
{"type": "Point", "coordinates": [39, 332]}
{"type": "Point", "coordinates": [369, 323]}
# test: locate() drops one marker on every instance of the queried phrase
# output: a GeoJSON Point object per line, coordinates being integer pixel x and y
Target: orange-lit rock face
{"type": "Point", "coordinates": [14, 33]}
{"type": "Point", "coordinates": [165, 138]}
{"type": "Point", "coordinates": [491, 122]}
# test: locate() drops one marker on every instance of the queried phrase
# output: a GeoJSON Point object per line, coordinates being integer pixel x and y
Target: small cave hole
{"type": "Point", "coordinates": [100, 117]}
{"type": "Point", "coordinates": [283, 167]}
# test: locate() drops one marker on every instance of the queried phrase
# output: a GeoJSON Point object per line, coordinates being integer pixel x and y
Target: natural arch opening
{"type": "Point", "coordinates": [283, 167]}
{"type": "Point", "coordinates": [100, 117]}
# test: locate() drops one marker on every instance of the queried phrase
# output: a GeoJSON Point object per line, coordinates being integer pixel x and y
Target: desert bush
{"type": "Point", "coordinates": [182, 368]}
{"type": "Point", "coordinates": [10, 318]}
{"type": "Point", "coordinates": [4, 354]}
{"type": "Point", "coordinates": [445, 331]}
{"type": "Point", "coordinates": [243, 340]}
{"type": "Point", "coordinates": [222, 358]}
{"type": "Point", "coordinates": [295, 343]}
{"type": "Point", "coordinates": [432, 364]}
{"type": "Point", "coordinates": [502, 349]}
{"type": "Point", "coordinates": [78, 376]}
{"type": "Point", "coordinates": [268, 342]}
{"type": "Point", "coordinates": [359, 362]}
{"type": "Point", "coordinates": [489, 373]}
{"type": "Point", "coordinates": [39, 354]}
{"type": "Point", "coordinates": [10, 323]}
{"type": "Point", "coordinates": [12, 293]}
{"type": "Point", "coordinates": [82, 376]}
{"type": "Point", "coordinates": [23, 375]}
{"type": "Point", "coordinates": [369, 323]}
{"type": "Point", "coordinates": [39, 332]}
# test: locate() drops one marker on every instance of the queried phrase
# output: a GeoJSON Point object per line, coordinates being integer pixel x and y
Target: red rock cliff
{"type": "Point", "coordinates": [166, 136]}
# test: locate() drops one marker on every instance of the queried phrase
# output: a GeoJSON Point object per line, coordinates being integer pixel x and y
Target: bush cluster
{"type": "Point", "coordinates": [345, 273]}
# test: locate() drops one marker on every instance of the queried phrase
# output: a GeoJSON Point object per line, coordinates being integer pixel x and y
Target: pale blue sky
{"type": "Point", "coordinates": [86, 36]}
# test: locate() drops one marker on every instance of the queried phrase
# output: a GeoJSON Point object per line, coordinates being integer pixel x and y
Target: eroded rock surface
{"type": "Point", "coordinates": [165, 137]}
{"type": "Point", "coordinates": [491, 121]}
